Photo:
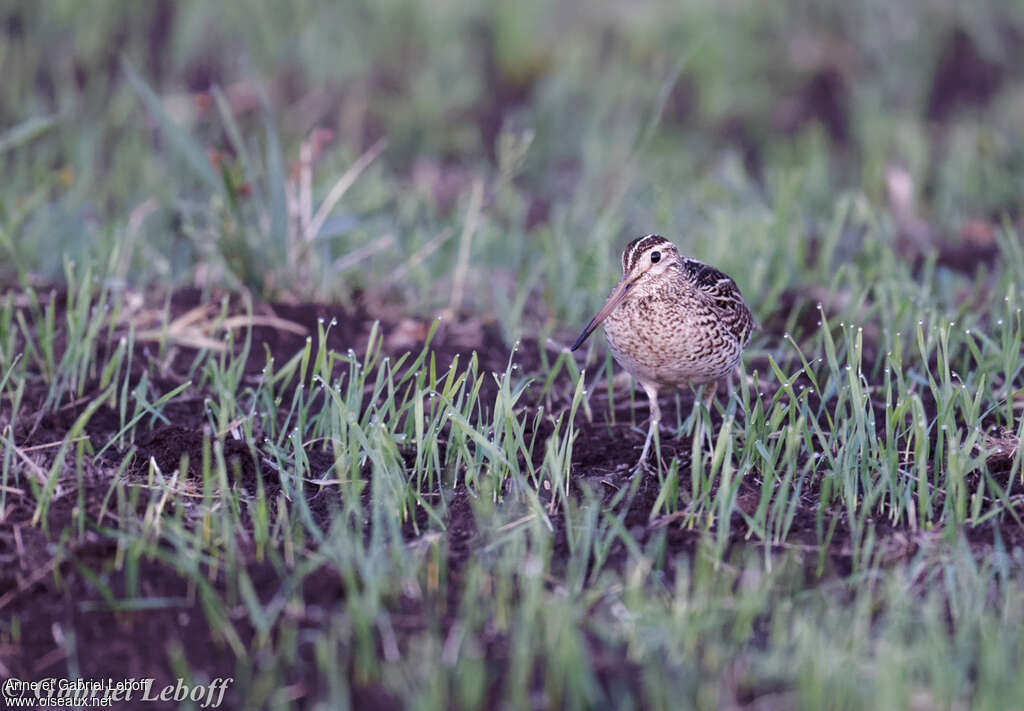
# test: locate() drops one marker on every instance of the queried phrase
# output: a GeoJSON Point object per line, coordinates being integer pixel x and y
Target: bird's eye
{"type": "Point", "coordinates": [655, 257]}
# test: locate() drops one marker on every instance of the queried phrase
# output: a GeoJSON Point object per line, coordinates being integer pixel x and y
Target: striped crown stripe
{"type": "Point", "coordinates": [637, 247]}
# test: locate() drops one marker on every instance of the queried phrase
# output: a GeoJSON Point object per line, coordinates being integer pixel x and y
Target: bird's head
{"type": "Point", "coordinates": [645, 261]}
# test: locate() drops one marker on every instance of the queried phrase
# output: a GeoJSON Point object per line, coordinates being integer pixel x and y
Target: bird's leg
{"type": "Point", "coordinates": [652, 396]}
{"type": "Point", "coordinates": [708, 392]}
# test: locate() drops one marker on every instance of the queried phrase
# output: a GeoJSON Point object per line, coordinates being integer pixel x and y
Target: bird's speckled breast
{"type": "Point", "coordinates": [671, 339]}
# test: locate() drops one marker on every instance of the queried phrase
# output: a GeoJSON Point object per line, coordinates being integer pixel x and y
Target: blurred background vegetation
{"type": "Point", "coordinates": [182, 142]}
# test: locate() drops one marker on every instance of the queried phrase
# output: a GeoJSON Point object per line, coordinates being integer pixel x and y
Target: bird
{"type": "Point", "coordinates": [672, 321]}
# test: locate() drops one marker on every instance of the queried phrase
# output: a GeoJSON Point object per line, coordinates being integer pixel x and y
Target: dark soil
{"type": "Point", "coordinates": [44, 583]}
{"type": "Point", "coordinates": [53, 580]}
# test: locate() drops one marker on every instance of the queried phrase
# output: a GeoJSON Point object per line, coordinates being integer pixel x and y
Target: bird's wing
{"type": "Point", "coordinates": [723, 293]}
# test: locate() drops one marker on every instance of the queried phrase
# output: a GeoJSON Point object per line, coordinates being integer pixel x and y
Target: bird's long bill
{"type": "Point", "coordinates": [613, 300]}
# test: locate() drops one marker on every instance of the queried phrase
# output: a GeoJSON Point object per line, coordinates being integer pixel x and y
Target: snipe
{"type": "Point", "coordinates": [672, 321]}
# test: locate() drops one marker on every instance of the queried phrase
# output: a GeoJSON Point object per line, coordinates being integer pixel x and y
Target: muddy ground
{"type": "Point", "coordinates": [55, 599]}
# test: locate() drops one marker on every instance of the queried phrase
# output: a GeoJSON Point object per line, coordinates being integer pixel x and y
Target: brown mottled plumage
{"type": "Point", "coordinates": [672, 321]}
